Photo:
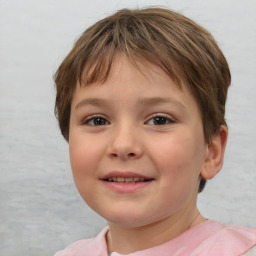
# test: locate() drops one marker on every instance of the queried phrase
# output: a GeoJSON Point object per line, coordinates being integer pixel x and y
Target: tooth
{"type": "Point", "coordinates": [128, 179]}
{"type": "Point", "coordinates": [120, 179]}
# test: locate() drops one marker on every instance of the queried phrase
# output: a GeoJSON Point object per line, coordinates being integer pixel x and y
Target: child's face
{"type": "Point", "coordinates": [136, 146]}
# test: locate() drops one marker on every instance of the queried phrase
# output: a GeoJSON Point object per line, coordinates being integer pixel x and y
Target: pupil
{"type": "Point", "coordinates": [159, 120]}
{"type": "Point", "coordinates": [99, 121]}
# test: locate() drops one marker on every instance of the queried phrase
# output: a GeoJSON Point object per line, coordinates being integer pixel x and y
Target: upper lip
{"type": "Point", "coordinates": [124, 174]}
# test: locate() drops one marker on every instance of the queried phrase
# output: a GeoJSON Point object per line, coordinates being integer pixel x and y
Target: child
{"type": "Point", "coordinates": [141, 101]}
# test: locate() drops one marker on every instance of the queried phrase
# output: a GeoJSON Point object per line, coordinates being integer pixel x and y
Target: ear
{"type": "Point", "coordinates": [215, 154]}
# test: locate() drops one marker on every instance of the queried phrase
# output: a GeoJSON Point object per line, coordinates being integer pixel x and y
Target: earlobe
{"type": "Point", "coordinates": [215, 154]}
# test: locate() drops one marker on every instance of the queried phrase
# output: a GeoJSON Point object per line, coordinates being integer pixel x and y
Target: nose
{"type": "Point", "coordinates": [125, 143]}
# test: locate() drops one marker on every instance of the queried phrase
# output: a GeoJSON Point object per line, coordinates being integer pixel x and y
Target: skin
{"type": "Point", "coordinates": [141, 122]}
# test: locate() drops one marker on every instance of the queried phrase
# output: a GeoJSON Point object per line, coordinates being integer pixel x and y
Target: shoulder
{"type": "Point", "coordinates": [77, 248]}
{"type": "Point", "coordinates": [243, 234]}
{"type": "Point", "coordinates": [96, 245]}
{"type": "Point", "coordinates": [231, 239]}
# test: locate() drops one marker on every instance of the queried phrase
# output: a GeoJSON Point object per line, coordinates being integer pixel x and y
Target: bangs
{"type": "Point", "coordinates": [185, 51]}
{"type": "Point", "coordinates": [135, 36]}
{"type": "Point", "coordinates": [97, 70]}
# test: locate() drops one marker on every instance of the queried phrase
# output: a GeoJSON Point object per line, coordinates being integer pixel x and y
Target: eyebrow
{"type": "Point", "coordinates": [142, 101]}
{"type": "Point", "coordinates": [93, 102]}
{"type": "Point", "coordinates": [158, 100]}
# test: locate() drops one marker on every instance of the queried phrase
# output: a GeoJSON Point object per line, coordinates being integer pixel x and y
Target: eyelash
{"type": "Point", "coordinates": [167, 118]}
{"type": "Point", "coordinates": [94, 118]}
{"type": "Point", "coordinates": [163, 118]}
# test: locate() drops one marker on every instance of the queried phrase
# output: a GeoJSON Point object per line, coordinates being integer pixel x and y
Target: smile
{"type": "Point", "coordinates": [126, 180]}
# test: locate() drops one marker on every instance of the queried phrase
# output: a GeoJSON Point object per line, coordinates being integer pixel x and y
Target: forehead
{"type": "Point", "coordinates": [128, 80]}
{"type": "Point", "coordinates": [102, 69]}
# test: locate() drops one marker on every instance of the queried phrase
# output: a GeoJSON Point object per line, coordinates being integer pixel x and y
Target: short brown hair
{"type": "Point", "coordinates": [180, 47]}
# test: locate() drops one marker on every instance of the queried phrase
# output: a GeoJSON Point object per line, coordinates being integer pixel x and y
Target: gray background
{"type": "Point", "coordinates": [40, 209]}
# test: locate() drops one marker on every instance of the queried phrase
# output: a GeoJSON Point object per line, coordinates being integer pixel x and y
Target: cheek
{"type": "Point", "coordinates": [178, 163]}
{"type": "Point", "coordinates": [84, 162]}
{"type": "Point", "coordinates": [179, 156]}
{"type": "Point", "coordinates": [84, 156]}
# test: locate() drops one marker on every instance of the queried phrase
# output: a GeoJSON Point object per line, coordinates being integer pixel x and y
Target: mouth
{"type": "Point", "coordinates": [126, 182]}
{"type": "Point", "coordinates": [127, 179]}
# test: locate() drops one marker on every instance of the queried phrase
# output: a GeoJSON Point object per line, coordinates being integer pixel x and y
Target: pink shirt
{"type": "Point", "coordinates": [207, 239]}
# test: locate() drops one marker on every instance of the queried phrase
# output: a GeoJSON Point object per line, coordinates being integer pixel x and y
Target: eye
{"type": "Point", "coordinates": [96, 121]}
{"type": "Point", "coordinates": [160, 120]}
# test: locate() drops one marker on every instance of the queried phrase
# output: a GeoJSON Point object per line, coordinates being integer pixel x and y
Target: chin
{"type": "Point", "coordinates": [131, 223]}
{"type": "Point", "coordinates": [126, 218]}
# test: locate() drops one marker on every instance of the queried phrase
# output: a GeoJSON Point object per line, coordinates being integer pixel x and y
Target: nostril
{"type": "Point", "coordinates": [114, 155]}
{"type": "Point", "coordinates": [129, 155]}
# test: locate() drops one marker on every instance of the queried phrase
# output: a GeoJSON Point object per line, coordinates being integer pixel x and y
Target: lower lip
{"type": "Point", "coordinates": [122, 187]}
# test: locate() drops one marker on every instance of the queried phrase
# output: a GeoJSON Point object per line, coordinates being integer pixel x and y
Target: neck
{"type": "Point", "coordinates": [127, 240]}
